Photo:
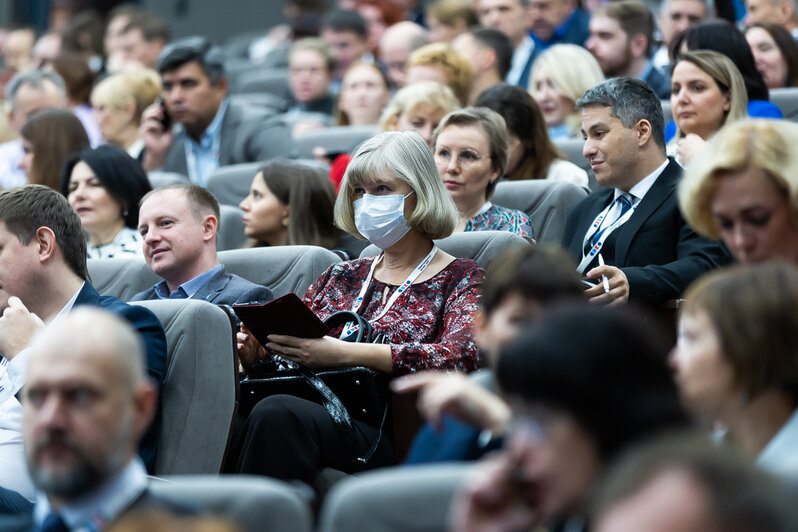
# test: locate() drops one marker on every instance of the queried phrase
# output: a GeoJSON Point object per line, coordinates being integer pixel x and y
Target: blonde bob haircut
{"type": "Point", "coordinates": [406, 100]}
{"type": "Point", "coordinates": [728, 79]}
{"type": "Point", "coordinates": [456, 67]}
{"type": "Point", "coordinates": [492, 124]}
{"type": "Point", "coordinates": [401, 155]}
{"type": "Point", "coordinates": [767, 145]}
{"type": "Point", "coordinates": [572, 70]}
{"type": "Point", "coordinates": [142, 86]}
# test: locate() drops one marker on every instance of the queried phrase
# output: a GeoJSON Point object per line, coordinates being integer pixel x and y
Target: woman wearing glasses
{"type": "Point", "coordinates": [471, 152]}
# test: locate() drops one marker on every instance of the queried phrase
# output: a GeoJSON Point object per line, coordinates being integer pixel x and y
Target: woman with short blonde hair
{"type": "Point", "coordinates": [440, 62]}
{"type": "Point", "coordinates": [418, 107]}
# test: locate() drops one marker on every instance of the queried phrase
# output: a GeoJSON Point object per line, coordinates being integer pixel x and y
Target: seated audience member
{"type": "Point", "coordinates": [779, 12]}
{"type": "Point", "coordinates": [396, 45]}
{"type": "Point", "coordinates": [17, 49]}
{"type": "Point", "coordinates": [439, 62]}
{"type": "Point", "coordinates": [676, 16]}
{"type": "Point", "coordinates": [81, 451]}
{"type": "Point", "coordinates": [364, 94]}
{"type": "Point", "coordinates": [118, 102]}
{"type": "Point", "coordinates": [558, 22]}
{"type": "Point", "coordinates": [560, 76]}
{"type": "Point", "coordinates": [471, 153]}
{"type": "Point", "coordinates": [310, 69]}
{"type": "Point", "coordinates": [49, 138]}
{"type": "Point", "coordinates": [418, 107]}
{"type": "Point", "coordinates": [142, 39]}
{"type": "Point", "coordinates": [210, 130]}
{"type": "Point", "coordinates": [446, 19]}
{"type": "Point", "coordinates": [392, 196]}
{"type": "Point", "coordinates": [104, 185]}
{"type": "Point", "coordinates": [622, 41]}
{"type": "Point", "coordinates": [290, 203]}
{"type": "Point", "coordinates": [83, 35]}
{"type": "Point", "coordinates": [532, 153]}
{"type": "Point", "coordinates": [178, 224]}
{"type": "Point", "coordinates": [116, 21]}
{"type": "Point", "coordinates": [43, 276]}
{"type": "Point", "coordinates": [346, 35]}
{"type": "Point", "coordinates": [707, 92]}
{"type": "Point", "coordinates": [573, 413]}
{"type": "Point", "coordinates": [26, 94]}
{"type": "Point", "coordinates": [735, 360]}
{"type": "Point", "coordinates": [490, 53]}
{"type": "Point", "coordinates": [520, 286]}
{"type": "Point", "coordinates": [79, 79]}
{"type": "Point", "coordinates": [633, 225]}
{"type": "Point", "coordinates": [513, 19]}
{"type": "Point", "coordinates": [743, 190]}
{"type": "Point", "coordinates": [47, 48]}
{"type": "Point", "coordinates": [689, 486]}
{"type": "Point", "coordinates": [775, 53]}
{"type": "Point", "coordinates": [378, 16]}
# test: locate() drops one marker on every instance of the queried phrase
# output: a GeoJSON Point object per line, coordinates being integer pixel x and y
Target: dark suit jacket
{"type": "Point", "coordinates": [659, 82]}
{"type": "Point", "coordinates": [222, 289]}
{"type": "Point", "coordinates": [248, 135]}
{"type": "Point", "coordinates": [656, 249]}
{"type": "Point", "coordinates": [151, 331]}
{"type": "Point", "coordinates": [523, 80]}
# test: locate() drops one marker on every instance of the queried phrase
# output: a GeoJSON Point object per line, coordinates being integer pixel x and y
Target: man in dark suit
{"type": "Point", "coordinates": [86, 403]}
{"type": "Point", "coordinates": [633, 234]}
{"type": "Point", "coordinates": [179, 225]}
{"type": "Point", "coordinates": [42, 277]}
{"type": "Point", "coordinates": [210, 131]}
{"type": "Point", "coordinates": [511, 17]}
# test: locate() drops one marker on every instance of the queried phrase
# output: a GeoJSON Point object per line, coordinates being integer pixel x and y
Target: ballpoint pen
{"type": "Point", "coordinates": [604, 280]}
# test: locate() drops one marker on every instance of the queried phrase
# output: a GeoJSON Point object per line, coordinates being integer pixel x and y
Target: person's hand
{"type": "Point", "coordinates": [453, 394]}
{"type": "Point", "coordinates": [249, 349]}
{"type": "Point", "coordinates": [619, 286]}
{"type": "Point", "coordinates": [322, 352]}
{"type": "Point", "coordinates": [17, 327]}
{"type": "Point", "coordinates": [488, 500]}
{"type": "Point", "coordinates": [156, 140]}
{"type": "Point", "coordinates": [688, 147]}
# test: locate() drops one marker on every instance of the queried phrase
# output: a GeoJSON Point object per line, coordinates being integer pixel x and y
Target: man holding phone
{"type": "Point", "coordinates": [209, 131]}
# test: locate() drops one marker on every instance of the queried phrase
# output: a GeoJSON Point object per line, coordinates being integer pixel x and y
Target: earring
{"type": "Point", "coordinates": [124, 213]}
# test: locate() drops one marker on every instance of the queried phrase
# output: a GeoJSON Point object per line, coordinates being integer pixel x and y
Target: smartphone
{"type": "Point", "coordinates": [166, 120]}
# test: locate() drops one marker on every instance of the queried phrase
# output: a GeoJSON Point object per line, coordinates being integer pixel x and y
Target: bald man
{"type": "Point", "coordinates": [396, 45]}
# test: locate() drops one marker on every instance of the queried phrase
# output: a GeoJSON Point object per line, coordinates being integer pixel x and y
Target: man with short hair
{"type": "Point", "coordinates": [511, 17]}
{"type": "Point", "coordinates": [630, 238]}
{"type": "Point", "coordinates": [178, 224]}
{"type": "Point", "coordinates": [558, 22]}
{"type": "Point", "coordinates": [396, 45]}
{"type": "Point", "coordinates": [26, 93]}
{"type": "Point", "coordinates": [118, 18]}
{"type": "Point", "coordinates": [676, 16]}
{"type": "Point", "coordinates": [143, 39]}
{"type": "Point", "coordinates": [490, 53]}
{"type": "Point", "coordinates": [310, 70]}
{"type": "Point", "coordinates": [622, 41]}
{"type": "Point", "coordinates": [43, 276]}
{"type": "Point", "coordinates": [346, 34]}
{"type": "Point", "coordinates": [86, 403]}
{"type": "Point", "coordinates": [210, 130]}
{"type": "Point", "coordinates": [781, 12]}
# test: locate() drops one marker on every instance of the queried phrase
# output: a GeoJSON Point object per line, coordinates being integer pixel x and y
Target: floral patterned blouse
{"type": "Point", "coordinates": [428, 327]}
{"type": "Point", "coordinates": [126, 243]}
{"type": "Point", "coordinates": [496, 218]}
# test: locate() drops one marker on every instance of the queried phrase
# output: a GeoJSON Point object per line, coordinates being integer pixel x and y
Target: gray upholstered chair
{"type": "Point", "coordinates": [230, 234]}
{"type": "Point", "coordinates": [283, 269]}
{"type": "Point", "coordinates": [571, 150]}
{"type": "Point", "coordinates": [787, 100]}
{"type": "Point", "coordinates": [254, 504]}
{"type": "Point", "coordinates": [667, 112]}
{"type": "Point", "coordinates": [545, 202]}
{"type": "Point", "coordinates": [159, 179]}
{"type": "Point", "coordinates": [341, 139]}
{"type": "Point", "coordinates": [122, 278]}
{"type": "Point", "coordinates": [199, 392]}
{"type": "Point", "coordinates": [268, 80]}
{"type": "Point", "coordinates": [482, 246]}
{"type": "Point", "coordinates": [394, 499]}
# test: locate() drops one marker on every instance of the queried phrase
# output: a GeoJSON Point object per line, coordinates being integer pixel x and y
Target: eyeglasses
{"type": "Point", "coordinates": [467, 158]}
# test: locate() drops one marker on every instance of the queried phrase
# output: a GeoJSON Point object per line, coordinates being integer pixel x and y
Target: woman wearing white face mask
{"type": "Point", "coordinates": [391, 195]}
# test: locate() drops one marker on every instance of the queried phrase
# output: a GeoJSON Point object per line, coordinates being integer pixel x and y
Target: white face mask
{"type": "Point", "coordinates": [381, 219]}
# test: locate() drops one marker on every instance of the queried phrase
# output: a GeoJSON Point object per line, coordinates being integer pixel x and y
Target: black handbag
{"type": "Point", "coordinates": [347, 393]}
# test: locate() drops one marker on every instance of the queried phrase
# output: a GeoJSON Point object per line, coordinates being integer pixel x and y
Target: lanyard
{"type": "Point", "coordinates": [350, 328]}
{"type": "Point", "coordinates": [595, 226]}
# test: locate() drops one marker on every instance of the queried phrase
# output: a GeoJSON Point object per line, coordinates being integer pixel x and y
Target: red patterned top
{"type": "Point", "coordinates": [429, 326]}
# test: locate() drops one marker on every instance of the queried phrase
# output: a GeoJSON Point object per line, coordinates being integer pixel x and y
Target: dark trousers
{"type": "Point", "coordinates": [12, 502]}
{"type": "Point", "coordinates": [287, 437]}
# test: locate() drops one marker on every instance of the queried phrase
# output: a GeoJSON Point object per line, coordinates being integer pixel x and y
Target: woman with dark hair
{"type": "Point", "coordinates": [48, 139]}
{"type": "Point", "coordinates": [104, 186]}
{"type": "Point", "coordinates": [290, 203]}
{"type": "Point", "coordinates": [532, 153]}
{"type": "Point", "coordinates": [775, 53]}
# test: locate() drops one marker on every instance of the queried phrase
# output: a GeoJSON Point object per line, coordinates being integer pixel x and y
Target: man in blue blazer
{"type": "Point", "coordinates": [631, 238]}
{"type": "Point", "coordinates": [179, 225]}
{"type": "Point", "coordinates": [42, 277]}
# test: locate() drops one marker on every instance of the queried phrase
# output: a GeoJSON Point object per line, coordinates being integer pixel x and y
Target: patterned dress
{"type": "Point", "coordinates": [496, 218]}
{"type": "Point", "coordinates": [127, 243]}
{"type": "Point", "coordinates": [428, 327]}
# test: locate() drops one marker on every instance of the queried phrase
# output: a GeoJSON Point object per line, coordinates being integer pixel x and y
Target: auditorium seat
{"type": "Point", "coordinates": [271, 102]}
{"type": "Point", "coordinates": [230, 184]}
{"type": "Point", "coordinates": [122, 278]}
{"type": "Point", "coordinates": [268, 80]}
{"type": "Point", "coordinates": [199, 392]}
{"type": "Point", "coordinates": [230, 234]}
{"type": "Point", "coordinates": [158, 179]}
{"type": "Point", "coordinates": [571, 150]}
{"type": "Point", "coordinates": [666, 110]}
{"type": "Point", "coordinates": [787, 100]}
{"type": "Point", "coordinates": [545, 202]}
{"type": "Point", "coordinates": [341, 139]}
